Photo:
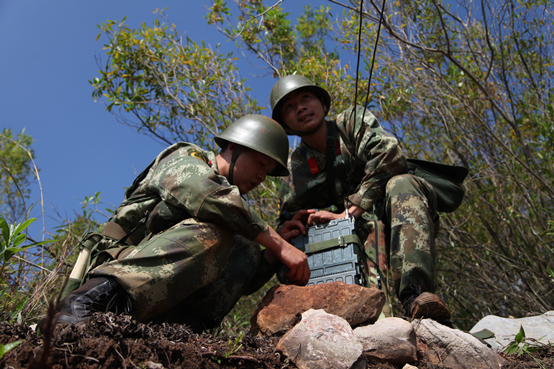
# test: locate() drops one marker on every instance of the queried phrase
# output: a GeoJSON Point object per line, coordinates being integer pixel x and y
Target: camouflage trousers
{"type": "Point", "coordinates": [404, 242]}
{"type": "Point", "coordinates": [192, 273]}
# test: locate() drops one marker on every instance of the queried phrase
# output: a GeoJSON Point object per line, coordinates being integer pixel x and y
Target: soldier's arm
{"type": "Point", "coordinates": [379, 150]}
{"type": "Point", "coordinates": [191, 184]}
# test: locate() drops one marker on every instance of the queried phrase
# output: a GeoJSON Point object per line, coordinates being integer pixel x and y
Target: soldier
{"type": "Point", "coordinates": [352, 164]}
{"type": "Point", "coordinates": [184, 245]}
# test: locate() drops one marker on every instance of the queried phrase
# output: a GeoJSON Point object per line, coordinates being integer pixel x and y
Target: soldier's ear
{"type": "Point", "coordinates": [325, 108]}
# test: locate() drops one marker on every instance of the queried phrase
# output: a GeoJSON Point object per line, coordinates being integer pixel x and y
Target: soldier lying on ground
{"type": "Point", "coordinates": [184, 245]}
{"type": "Point", "coordinates": [353, 164]}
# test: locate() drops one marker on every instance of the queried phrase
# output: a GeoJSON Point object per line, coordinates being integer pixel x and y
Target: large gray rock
{"type": "Point", "coordinates": [452, 348]}
{"type": "Point", "coordinates": [539, 328]}
{"type": "Point", "coordinates": [281, 307]}
{"type": "Point", "coordinates": [322, 341]}
{"type": "Point", "coordinates": [390, 340]}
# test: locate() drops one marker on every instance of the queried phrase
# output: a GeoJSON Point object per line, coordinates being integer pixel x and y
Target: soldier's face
{"type": "Point", "coordinates": [251, 168]}
{"type": "Point", "coordinates": [302, 110]}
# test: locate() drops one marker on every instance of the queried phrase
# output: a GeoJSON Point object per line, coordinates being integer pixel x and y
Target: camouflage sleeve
{"type": "Point", "coordinates": [380, 152]}
{"type": "Point", "coordinates": [187, 181]}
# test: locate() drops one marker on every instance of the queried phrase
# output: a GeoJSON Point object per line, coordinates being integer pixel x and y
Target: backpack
{"type": "Point", "coordinates": [445, 179]}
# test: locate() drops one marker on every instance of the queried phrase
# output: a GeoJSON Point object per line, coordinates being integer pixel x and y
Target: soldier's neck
{"type": "Point", "coordinates": [222, 165]}
{"type": "Point", "coordinates": [318, 139]}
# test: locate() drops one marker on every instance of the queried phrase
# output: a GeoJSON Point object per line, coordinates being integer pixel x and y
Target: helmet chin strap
{"type": "Point", "coordinates": [232, 164]}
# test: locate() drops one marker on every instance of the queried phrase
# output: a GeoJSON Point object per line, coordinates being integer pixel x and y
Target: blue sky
{"type": "Point", "coordinates": [48, 53]}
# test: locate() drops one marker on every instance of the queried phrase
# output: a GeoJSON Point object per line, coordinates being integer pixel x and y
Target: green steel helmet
{"type": "Point", "coordinates": [291, 83]}
{"type": "Point", "coordinates": [262, 134]}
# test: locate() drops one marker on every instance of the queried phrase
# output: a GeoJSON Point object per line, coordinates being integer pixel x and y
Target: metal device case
{"type": "Point", "coordinates": [332, 251]}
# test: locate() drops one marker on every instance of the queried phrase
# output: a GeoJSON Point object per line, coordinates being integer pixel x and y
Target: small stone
{"type": "Point", "coordinates": [322, 341]}
{"type": "Point", "coordinates": [539, 329]}
{"type": "Point", "coordinates": [390, 340]}
{"type": "Point", "coordinates": [452, 348]}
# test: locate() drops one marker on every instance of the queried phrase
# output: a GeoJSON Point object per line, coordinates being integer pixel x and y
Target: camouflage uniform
{"type": "Point", "coordinates": [370, 171]}
{"type": "Point", "coordinates": [196, 256]}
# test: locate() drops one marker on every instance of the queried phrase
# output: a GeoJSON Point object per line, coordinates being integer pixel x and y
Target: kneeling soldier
{"type": "Point", "coordinates": [184, 245]}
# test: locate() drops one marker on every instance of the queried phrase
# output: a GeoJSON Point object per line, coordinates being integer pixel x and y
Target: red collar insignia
{"type": "Point", "coordinates": [313, 165]}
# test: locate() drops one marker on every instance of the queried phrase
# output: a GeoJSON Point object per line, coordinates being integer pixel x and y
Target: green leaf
{"type": "Point", "coordinates": [520, 337]}
{"type": "Point", "coordinates": [8, 253]}
{"type": "Point", "coordinates": [5, 230]}
{"type": "Point", "coordinates": [484, 334]}
{"type": "Point", "coordinates": [8, 347]}
{"type": "Point", "coordinates": [513, 348]}
{"type": "Point", "coordinates": [19, 306]}
{"type": "Point", "coordinates": [21, 227]}
{"type": "Point", "coordinates": [18, 240]}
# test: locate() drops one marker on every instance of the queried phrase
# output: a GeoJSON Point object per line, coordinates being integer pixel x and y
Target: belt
{"type": "Point", "coordinates": [118, 232]}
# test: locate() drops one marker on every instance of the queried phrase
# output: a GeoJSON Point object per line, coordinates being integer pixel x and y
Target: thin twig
{"type": "Point", "coordinates": [254, 17]}
{"type": "Point", "coordinates": [374, 19]}
{"type": "Point", "coordinates": [246, 358]}
{"type": "Point", "coordinates": [31, 263]}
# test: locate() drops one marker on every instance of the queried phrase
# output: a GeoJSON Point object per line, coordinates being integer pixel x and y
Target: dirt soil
{"type": "Point", "coordinates": [110, 341]}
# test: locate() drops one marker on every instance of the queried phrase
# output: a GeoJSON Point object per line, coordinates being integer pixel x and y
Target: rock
{"type": "Point", "coordinates": [322, 341]}
{"type": "Point", "coordinates": [453, 348]}
{"type": "Point", "coordinates": [539, 328]}
{"type": "Point", "coordinates": [152, 365]}
{"type": "Point", "coordinates": [280, 308]}
{"type": "Point", "coordinates": [408, 366]}
{"type": "Point", "coordinates": [390, 340]}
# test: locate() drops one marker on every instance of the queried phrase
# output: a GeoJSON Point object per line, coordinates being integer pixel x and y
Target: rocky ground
{"type": "Point", "coordinates": [110, 341]}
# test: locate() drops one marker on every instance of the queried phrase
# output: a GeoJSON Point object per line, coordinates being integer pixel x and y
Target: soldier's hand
{"type": "Point", "coordinates": [295, 226]}
{"type": "Point", "coordinates": [323, 217]}
{"type": "Point", "coordinates": [297, 264]}
{"type": "Point", "coordinates": [295, 260]}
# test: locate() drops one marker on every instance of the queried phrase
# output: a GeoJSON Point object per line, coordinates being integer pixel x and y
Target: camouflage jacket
{"type": "Point", "coordinates": [366, 158]}
{"type": "Point", "coordinates": [183, 182]}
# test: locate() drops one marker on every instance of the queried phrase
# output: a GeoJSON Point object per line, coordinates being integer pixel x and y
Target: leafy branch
{"type": "Point", "coordinates": [13, 238]}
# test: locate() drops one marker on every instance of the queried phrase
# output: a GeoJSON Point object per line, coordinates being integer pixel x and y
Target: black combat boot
{"type": "Point", "coordinates": [100, 294]}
